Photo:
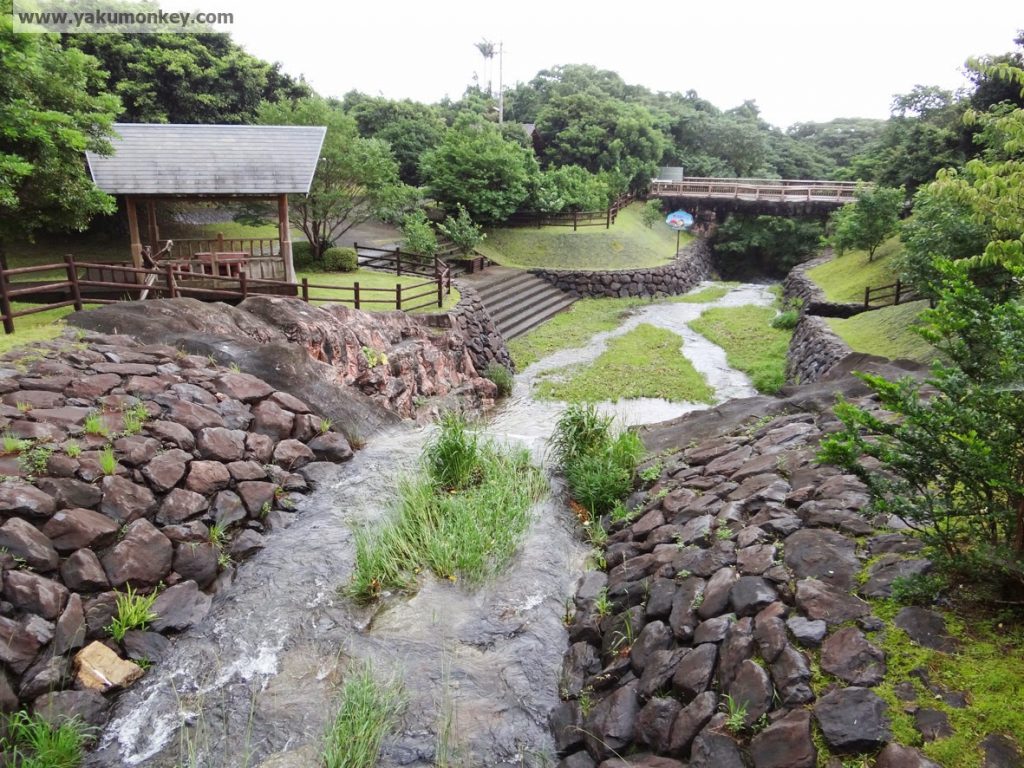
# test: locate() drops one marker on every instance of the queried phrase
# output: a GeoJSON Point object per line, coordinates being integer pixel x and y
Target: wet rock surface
{"type": "Point", "coordinates": [126, 449]}
{"type": "Point", "coordinates": [763, 589]}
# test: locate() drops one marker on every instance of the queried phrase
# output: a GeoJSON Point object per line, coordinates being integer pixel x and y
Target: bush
{"type": "Point", "coordinates": [952, 461]}
{"type": "Point", "coordinates": [787, 320]}
{"type": "Point", "coordinates": [598, 464]}
{"type": "Point", "coordinates": [303, 256]}
{"type": "Point", "coordinates": [502, 378]}
{"type": "Point", "coordinates": [652, 213]}
{"type": "Point", "coordinates": [418, 235]}
{"type": "Point", "coordinates": [452, 458]}
{"type": "Point", "coordinates": [341, 260]}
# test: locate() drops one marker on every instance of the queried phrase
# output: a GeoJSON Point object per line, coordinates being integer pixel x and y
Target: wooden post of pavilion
{"type": "Point", "coordinates": [154, 229]}
{"type": "Point", "coordinates": [133, 231]}
{"type": "Point", "coordinates": [284, 232]}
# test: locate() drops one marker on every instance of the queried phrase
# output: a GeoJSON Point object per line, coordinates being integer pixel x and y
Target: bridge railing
{"type": "Point", "coordinates": [783, 190]}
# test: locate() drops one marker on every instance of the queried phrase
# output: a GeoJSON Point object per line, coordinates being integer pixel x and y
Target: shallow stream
{"type": "Point", "coordinates": [256, 683]}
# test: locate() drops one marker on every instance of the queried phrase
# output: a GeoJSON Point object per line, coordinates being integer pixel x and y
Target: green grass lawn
{"type": "Point", "coordinates": [886, 332]}
{"type": "Point", "coordinates": [628, 244]}
{"type": "Point", "coordinates": [369, 279]}
{"type": "Point", "coordinates": [572, 328]}
{"type": "Point", "coordinates": [750, 343]}
{"type": "Point", "coordinates": [705, 295]}
{"type": "Point", "coordinates": [41, 326]}
{"type": "Point", "coordinates": [645, 362]}
{"type": "Point", "coordinates": [844, 278]}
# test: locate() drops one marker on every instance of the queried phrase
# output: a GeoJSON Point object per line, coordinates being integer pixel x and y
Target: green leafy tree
{"type": "Point", "coordinates": [465, 233]}
{"type": "Point", "coordinates": [476, 167]}
{"type": "Point", "coordinates": [356, 179]}
{"type": "Point", "coordinates": [51, 111]}
{"type": "Point", "coordinates": [952, 463]}
{"type": "Point", "coordinates": [410, 128]}
{"type": "Point", "coordinates": [652, 213]}
{"type": "Point", "coordinates": [772, 245]}
{"type": "Point", "coordinates": [184, 78]}
{"type": "Point", "coordinates": [867, 222]}
{"type": "Point", "coordinates": [418, 235]}
{"type": "Point", "coordinates": [571, 188]}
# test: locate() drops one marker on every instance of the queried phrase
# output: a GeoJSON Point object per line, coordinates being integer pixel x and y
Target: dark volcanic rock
{"type": "Point", "coordinates": [932, 724]}
{"type": "Point", "coordinates": [848, 655]}
{"type": "Point", "coordinates": [57, 707]}
{"type": "Point", "coordinates": [822, 554]}
{"type": "Point", "coordinates": [897, 756]}
{"type": "Point", "coordinates": [19, 498]}
{"type": "Point", "coordinates": [752, 688]}
{"type": "Point", "coordinates": [166, 470]}
{"type": "Point", "coordinates": [653, 637]}
{"type": "Point", "coordinates": [35, 594]}
{"type": "Point", "coordinates": [853, 720]}
{"type": "Point", "coordinates": [22, 539]}
{"type": "Point", "coordinates": [125, 501]}
{"type": "Point", "coordinates": [925, 628]}
{"type": "Point", "coordinates": [83, 572]}
{"type": "Point", "coordinates": [71, 529]}
{"type": "Point", "coordinates": [180, 505]}
{"type": "Point", "coordinates": [207, 477]}
{"type": "Point", "coordinates": [693, 675]}
{"type": "Point", "coordinates": [221, 444]}
{"type": "Point", "coordinates": [750, 594]}
{"type": "Point", "coordinates": [1000, 752]}
{"type": "Point", "coordinates": [173, 433]}
{"type": "Point", "coordinates": [69, 492]}
{"type": "Point", "coordinates": [883, 573]}
{"type": "Point", "coordinates": [610, 726]}
{"type": "Point", "coordinates": [691, 720]}
{"type": "Point", "coordinates": [196, 561]}
{"type": "Point", "coordinates": [714, 748]}
{"type": "Point", "coordinates": [18, 646]}
{"type": "Point", "coordinates": [654, 723]}
{"type": "Point", "coordinates": [331, 446]}
{"type": "Point", "coordinates": [151, 646]}
{"type": "Point", "coordinates": [661, 665]}
{"type": "Point", "coordinates": [786, 743]}
{"type": "Point", "coordinates": [179, 607]}
{"type": "Point", "coordinates": [291, 454]}
{"type": "Point", "coordinates": [807, 633]}
{"type": "Point", "coordinates": [833, 606]}
{"type": "Point", "coordinates": [716, 593]}
{"type": "Point", "coordinates": [142, 557]}
{"type": "Point", "coordinates": [792, 677]}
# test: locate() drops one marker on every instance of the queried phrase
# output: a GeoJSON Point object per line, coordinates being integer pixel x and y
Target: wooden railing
{"type": "Point", "coordinates": [778, 190]}
{"type": "Point", "coordinates": [405, 263]}
{"type": "Point", "coordinates": [886, 295]}
{"type": "Point", "coordinates": [253, 246]}
{"type": "Point", "coordinates": [574, 219]}
{"type": "Point", "coordinates": [171, 280]}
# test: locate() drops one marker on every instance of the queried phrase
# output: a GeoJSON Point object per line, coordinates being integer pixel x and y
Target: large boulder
{"type": "Point", "coordinates": [142, 558]}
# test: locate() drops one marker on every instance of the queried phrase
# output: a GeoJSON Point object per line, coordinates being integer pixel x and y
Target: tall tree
{"type": "Point", "coordinates": [477, 167]}
{"type": "Point", "coordinates": [867, 222]}
{"type": "Point", "coordinates": [185, 78]}
{"type": "Point", "coordinates": [356, 179]}
{"type": "Point", "coordinates": [410, 128]}
{"type": "Point", "coordinates": [50, 113]}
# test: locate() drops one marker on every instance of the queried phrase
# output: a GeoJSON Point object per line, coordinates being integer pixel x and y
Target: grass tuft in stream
{"type": "Point", "coordinates": [369, 708]}
{"type": "Point", "coordinates": [750, 342]}
{"type": "Point", "coordinates": [462, 517]}
{"type": "Point", "coordinates": [599, 463]}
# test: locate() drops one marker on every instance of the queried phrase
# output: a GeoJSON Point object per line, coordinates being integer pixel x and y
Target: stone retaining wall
{"type": "Point", "coordinates": [813, 350]}
{"type": "Point", "coordinates": [473, 322]}
{"type": "Point", "coordinates": [798, 285]}
{"type": "Point", "coordinates": [131, 466]}
{"type": "Point", "coordinates": [691, 265]}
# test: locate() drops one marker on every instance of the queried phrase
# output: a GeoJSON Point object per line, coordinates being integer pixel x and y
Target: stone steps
{"type": "Point", "coordinates": [518, 302]}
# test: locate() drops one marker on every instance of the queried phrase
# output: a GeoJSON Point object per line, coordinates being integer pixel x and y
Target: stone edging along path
{"type": "Point", "coordinates": [130, 466]}
{"type": "Point", "coordinates": [745, 569]}
{"type": "Point", "coordinates": [691, 265]}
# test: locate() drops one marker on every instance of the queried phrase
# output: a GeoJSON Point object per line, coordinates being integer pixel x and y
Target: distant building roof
{"type": "Point", "coordinates": [155, 159]}
{"type": "Point", "coordinates": [529, 128]}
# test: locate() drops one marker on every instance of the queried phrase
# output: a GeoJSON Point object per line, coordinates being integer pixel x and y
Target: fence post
{"type": "Point", "coordinates": [608, 218]}
{"type": "Point", "coordinates": [172, 292]}
{"type": "Point", "coordinates": [355, 293]}
{"type": "Point", "coordinates": [305, 289]}
{"type": "Point", "coordinates": [5, 303]}
{"type": "Point", "coordinates": [898, 286]}
{"type": "Point", "coordinates": [76, 293]}
{"type": "Point", "coordinates": [575, 219]}
{"type": "Point", "coordinates": [398, 295]}
{"type": "Point", "coordinates": [440, 291]}
{"type": "Point", "coordinates": [243, 284]}
{"type": "Point", "coordinates": [398, 261]}
{"type": "Point", "coordinates": [867, 296]}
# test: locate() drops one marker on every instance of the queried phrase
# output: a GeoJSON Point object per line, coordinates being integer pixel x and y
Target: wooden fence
{"type": "Point", "coordinates": [886, 295]}
{"type": "Point", "coordinates": [574, 219]}
{"type": "Point", "coordinates": [169, 280]}
{"type": "Point", "coordinates": [253, 246]}
{"type": "Point", "coordinates": [405, 263]}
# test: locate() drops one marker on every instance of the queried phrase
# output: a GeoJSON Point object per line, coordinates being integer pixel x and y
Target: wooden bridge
{"type": "Point", "coordinates": [758, 195]}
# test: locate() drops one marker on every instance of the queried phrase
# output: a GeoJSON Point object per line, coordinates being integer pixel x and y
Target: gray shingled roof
{"type": "Point", "coordinates": [153, 159]}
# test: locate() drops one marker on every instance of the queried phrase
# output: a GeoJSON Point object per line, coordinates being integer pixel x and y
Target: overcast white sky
{"type": "Point", "coordinates": [799, 59]}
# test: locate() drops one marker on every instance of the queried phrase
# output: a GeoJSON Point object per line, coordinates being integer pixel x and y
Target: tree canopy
{"type": "Point", "coordinates": [51, 111]}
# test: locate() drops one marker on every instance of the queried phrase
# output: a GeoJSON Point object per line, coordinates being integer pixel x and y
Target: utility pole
{"type": "Point", "coordinates": [501, 85]}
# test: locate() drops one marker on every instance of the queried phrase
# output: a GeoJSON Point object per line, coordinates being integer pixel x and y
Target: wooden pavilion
{"type": "Point", "coordinates": [154, 162]}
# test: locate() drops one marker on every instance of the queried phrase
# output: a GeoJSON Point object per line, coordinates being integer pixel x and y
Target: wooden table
{"type": "Point", "coordinates": [223, 263]}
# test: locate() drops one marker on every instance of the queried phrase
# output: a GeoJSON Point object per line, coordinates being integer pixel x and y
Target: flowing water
{"type": "Point", "coordinates": [256, 683]}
